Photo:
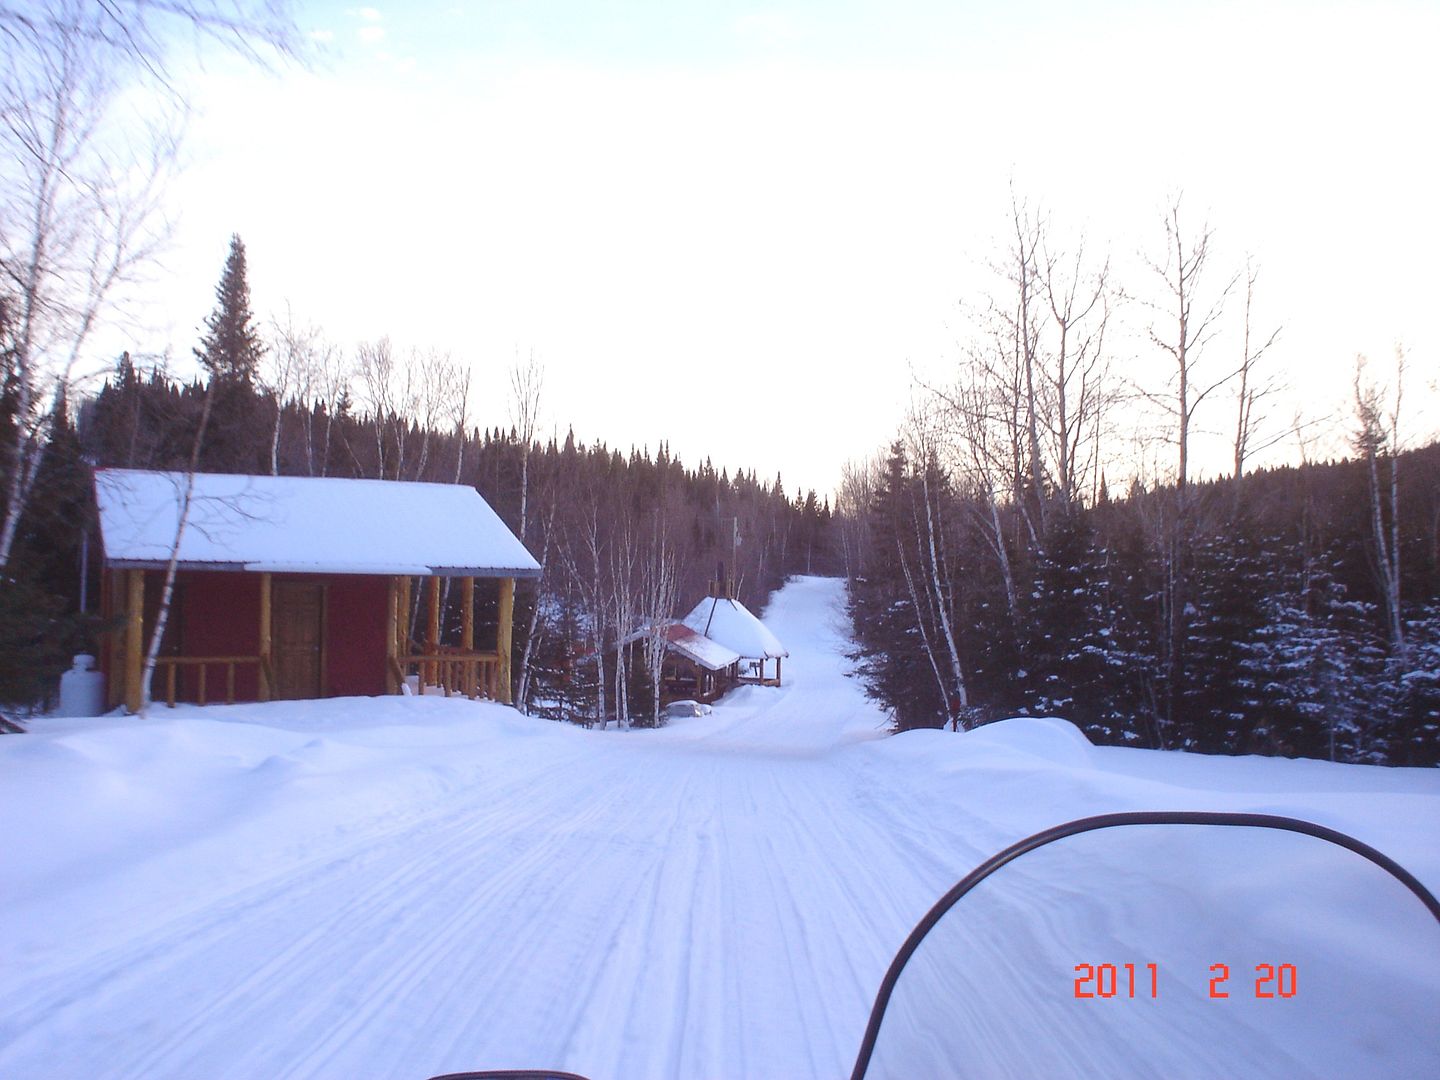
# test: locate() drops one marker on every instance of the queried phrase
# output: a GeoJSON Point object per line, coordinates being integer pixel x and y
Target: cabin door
{"type": "Point", "coordinates": [297, 638]}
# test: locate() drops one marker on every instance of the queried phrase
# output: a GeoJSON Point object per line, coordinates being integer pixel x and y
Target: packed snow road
{"type": "Point", "coordinates": [404, 887]}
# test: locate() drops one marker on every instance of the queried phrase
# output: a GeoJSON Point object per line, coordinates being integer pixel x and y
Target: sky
{"type": "Point", "coordinates": [740, 228]}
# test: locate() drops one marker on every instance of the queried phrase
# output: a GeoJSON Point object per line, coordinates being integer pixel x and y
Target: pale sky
{"type": "Point", "coordinates": [737, 227]}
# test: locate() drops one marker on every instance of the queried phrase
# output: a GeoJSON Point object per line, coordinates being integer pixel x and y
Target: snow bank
{"type": "Point", "coordinates": [1046, 738]}
{"type": "Point", "coordinates": [401, 887]}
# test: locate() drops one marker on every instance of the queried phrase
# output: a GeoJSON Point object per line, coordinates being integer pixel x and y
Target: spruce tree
{"type": "Point", "coordinates": [1306, 666]}
{"type": "Point", "coordinates": [231, 350]}
{"type": "Point", "coordinates": [1215, 693]}
{"type": "Point", "coordinates": [1081, 655]}
{"type": "Point", "coordinates": [890, 654]}
{"type": "Point", "coordinates": [230, 353]}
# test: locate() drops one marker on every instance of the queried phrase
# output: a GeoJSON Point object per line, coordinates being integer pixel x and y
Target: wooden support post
{"type": "Point", "coordinates": [110, 581]}
{"type": "Point", "coordinates": [134, 633]}
{"type": "Point", "coordinates": [503, 637]}
{"type": "Point", "coordinates": [778, 661]}
{"type": "Point", "coordinates": [467, 633]}
{"type": "Point", "coordinates": [404, 613]}
{"type": "Point", "coordinates": [432, 630]}
{"type": "Point", "coordinates": [392, 643]}
{"type": "Point", "coordinates": [265, 666]}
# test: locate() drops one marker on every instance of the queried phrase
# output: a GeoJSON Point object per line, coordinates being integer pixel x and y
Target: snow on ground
{"type": "Point", "coordinates": [401, 887]}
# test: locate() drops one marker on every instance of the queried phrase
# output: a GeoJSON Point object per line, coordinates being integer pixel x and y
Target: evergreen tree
{"type": "Point", "coordinates": [231, 350]}
{"type": "Point", "coordinates": [1304, 666]}
{"type": "Point", "coordinates": [1417, 741]}
{"type": "Point", "coordinates": [1080, 656]}
{"type": "Point", "coordinates": [230, 353]}
{"type": "Point", "coordinates": [1215, 702]}
{"type": "Point", "coordinates": [891, 653]}
{"type": "Point", "coordinates": [41, 626]}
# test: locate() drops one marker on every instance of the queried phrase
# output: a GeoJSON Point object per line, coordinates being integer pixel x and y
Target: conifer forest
{"type": "Point", "coordinates": [1292, 611]}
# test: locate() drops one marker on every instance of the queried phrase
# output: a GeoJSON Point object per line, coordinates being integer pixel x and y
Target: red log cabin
{"type": "Point", "coordinates": [303, 587]}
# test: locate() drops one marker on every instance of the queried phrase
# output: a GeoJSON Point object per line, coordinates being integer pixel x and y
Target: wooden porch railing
{"type": "Point", "coordinates": [474, 674]}
{"type": "Point", "coordinates": [202, 665]}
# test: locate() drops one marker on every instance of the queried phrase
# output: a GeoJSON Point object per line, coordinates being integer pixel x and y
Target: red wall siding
{"type": "Point", "coordinates": [218, 614]}
{"type": "Point", "coordinates": [355, 635]}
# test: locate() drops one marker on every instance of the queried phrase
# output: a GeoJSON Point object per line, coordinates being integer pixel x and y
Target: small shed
{"type": "Point", "coordinates": [302, 587]}
{"type": "Point", "coordinates": [696, 667]}
{"type": "Point", "coordinates": [726, 620]}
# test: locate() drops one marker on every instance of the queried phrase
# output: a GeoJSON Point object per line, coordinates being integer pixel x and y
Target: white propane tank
{"type": "Point", "coordinates": [82, 689]}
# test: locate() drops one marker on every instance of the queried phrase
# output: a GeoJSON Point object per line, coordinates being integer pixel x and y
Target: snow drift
{"type": "Point", "coordinates": [407, 886]}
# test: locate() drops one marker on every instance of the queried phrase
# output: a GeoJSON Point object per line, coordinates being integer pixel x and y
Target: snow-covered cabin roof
{"type": "Point", "coordinates": [696, 648]}
{"type": "Point", "coordinates": [303, 524]}
{"type": "Point", "coordinates": [730, 623]}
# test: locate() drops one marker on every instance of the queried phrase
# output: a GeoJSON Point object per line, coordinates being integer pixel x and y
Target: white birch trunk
{"type": "Point", "coordinates": [162, 617]}
{"type": "Point", "coordinates": [275, 438]}
{"type": "Point", "coordinates": [920, 623]}
{"type": "Point", "coordinates": [942, 608]}
{"type": "Point", "coordinates": [523, 691]}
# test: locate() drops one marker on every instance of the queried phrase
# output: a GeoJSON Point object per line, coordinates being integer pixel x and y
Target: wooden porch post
{"type": "Point", "coordinates": [402, 639]}
{"type": "Point", "coordinates": [114, 643]}
{"type": "Point", "coordinates": [503, 637]}
{"type": "Point", "coordinates": [467, 631]}
{"type": "Point", "coordinates": [391, 643]}
{"type": "Point", "coordinates": [432, 630]}
{"type": "Point", "coordinates": [134, 620]}
{"type": "Point", "coordinates": [265, 688]}
{"type": "Point", "coordinates": [778, 661]}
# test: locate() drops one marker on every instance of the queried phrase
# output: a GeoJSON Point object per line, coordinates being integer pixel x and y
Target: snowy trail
{"type": "Point", "coordinates": [718, 898]}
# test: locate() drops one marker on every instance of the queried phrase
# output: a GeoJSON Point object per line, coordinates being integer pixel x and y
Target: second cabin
{"type": "Point", "coordinates": [719, 645]}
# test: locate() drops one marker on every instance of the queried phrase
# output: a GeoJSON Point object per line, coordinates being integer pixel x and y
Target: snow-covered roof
{"type": "Point", "coordinates": [730, 623]}
{"type": "Point", "coordinates": [697, 648]}
{"type": "Point", "coordinates": [706, 652]}
{"type": "Point", "coordinates": [303, 524]}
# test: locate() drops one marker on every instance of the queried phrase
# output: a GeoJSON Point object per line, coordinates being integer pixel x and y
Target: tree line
{"type": "Point", "coordinates": [1290, 611]}
{"type": "Point", "coordinates": [626, 539]}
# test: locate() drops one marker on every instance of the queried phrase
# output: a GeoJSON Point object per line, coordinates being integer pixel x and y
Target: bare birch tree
{"type": "Point", "coordinates": [78, 216]}
{"type": "Point", "coordinates": [590, 584]}
{"type": "Point", "coordinates": [1378, 439]}
{"type": "Point", "coordinates": [439, 390]}
{"type": "Point", "coordinates": [376, 370]}
{"type": "Point", "coordinates": [332, 386]}
{"type": "Point", "coordinates": [82, 173]}
{"type": "Point", "coordinates": [1074, 368]}
{"type": "Point", "coordinates": [1188, 317]}
{"type": "Point", "coordinates": [852, 506]}
{"type": "Point", "coordinates": [291, 374]}
{"type": "Point", "coordinates": [1187, 320]}
{"type": "Point", "coordinates": [542, 592]}
{"type": "Point", "coordinates": [527, 383]}
{"type": "Point", "coordinates": [1022, 321]}
{"type": "Point", "coordinates": [624, 601]}
{"type": "Point", "coordinates": [982, 450]}
{"type": "Point", "coordinates": [186, 497]}
{"type": "Point", "coordinates": [415, 397]}
{"type": "Point", "coordinates": [940, 594]}
{"type": "Point", "coordinates": [1254, 386]}
{"type": "Point", "coordinates": [659, 591]}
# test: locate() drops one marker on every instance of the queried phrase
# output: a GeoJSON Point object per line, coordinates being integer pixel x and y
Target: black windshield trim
{"type": "Point", "coordinates": [1110, 821]}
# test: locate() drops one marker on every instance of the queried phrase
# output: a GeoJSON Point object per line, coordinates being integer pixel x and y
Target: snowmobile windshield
{"type": "Point", "coordinates": [1179, 945]}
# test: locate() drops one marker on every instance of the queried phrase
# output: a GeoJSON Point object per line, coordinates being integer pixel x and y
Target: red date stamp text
{"type": "Point", "coordinates": [1143, 981]}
